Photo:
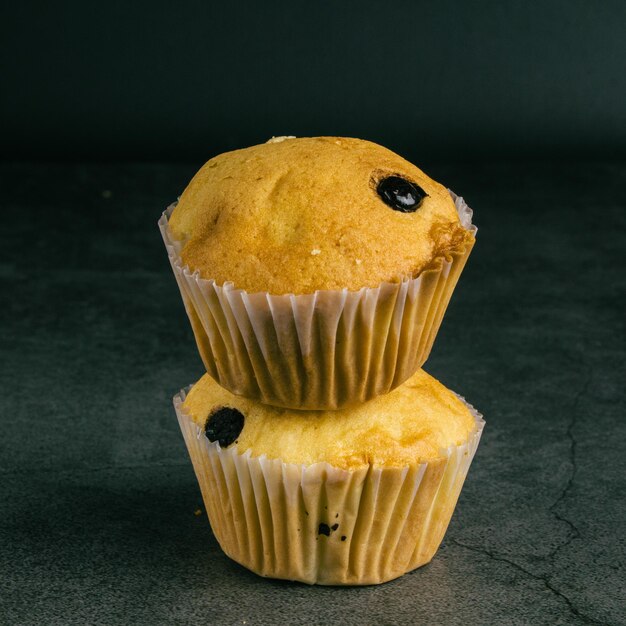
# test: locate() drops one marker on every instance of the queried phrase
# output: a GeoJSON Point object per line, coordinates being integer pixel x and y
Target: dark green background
{"type": "Point", "coordinates": [438, 80]}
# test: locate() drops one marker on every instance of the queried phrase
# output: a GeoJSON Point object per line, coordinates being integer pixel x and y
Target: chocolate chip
{"type": "Point", "coordinates": [401, 194]}
{"type": "Point", "coordinates": [323, 529]}
{"type": "Point", "coordinates": [343, 537]}
{"type": "Point", "coordinates": [224, 426]}
{"type": "Point", "coordinates": [335, 526]}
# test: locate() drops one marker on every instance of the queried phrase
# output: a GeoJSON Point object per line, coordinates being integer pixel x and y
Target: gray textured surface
{"type": "Point", "coordinates": [98, 496]}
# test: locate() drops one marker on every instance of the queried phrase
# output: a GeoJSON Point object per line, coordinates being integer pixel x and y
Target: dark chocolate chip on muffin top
{"type": "Point", "coordinates": [224, 426]}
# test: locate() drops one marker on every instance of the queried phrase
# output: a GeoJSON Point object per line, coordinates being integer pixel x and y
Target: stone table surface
{"type": "Point", "coordinates": [98, 499]}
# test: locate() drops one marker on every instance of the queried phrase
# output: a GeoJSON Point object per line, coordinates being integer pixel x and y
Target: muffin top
{"type": "Point", "coordinates": [411, 424]}
{"type": "Point", "coordinates": [300, 215]}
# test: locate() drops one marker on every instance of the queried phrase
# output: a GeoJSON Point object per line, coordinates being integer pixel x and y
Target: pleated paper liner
{"type": "Point", "coordinates": [319, 524]}
{"type": "Point", "coordinates": [324, 350]}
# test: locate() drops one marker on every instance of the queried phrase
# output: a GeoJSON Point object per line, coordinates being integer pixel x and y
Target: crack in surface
{"type": "Point", "coordinates": [574, 532]}
{"type": "Point", "coordinates": [544, 579]}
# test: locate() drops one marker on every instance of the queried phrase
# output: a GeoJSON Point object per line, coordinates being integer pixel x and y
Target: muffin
{"type": "Point", "coordinates": [315, 271]}
{"type": "Point", "coordinates": [350, 497]}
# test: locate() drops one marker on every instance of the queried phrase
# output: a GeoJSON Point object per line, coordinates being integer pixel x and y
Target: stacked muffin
{"type": "Point", "coordinates": [315, 273]}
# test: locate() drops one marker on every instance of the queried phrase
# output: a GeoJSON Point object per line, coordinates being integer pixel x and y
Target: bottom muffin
{"type": "Point", "coordinates": [351, 497]}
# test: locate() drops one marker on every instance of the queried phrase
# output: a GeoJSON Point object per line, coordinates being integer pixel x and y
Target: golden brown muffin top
{"type": "Point", "coordinates": [298, 215]}
{"type": "Point", "coordinates": [411, 424]}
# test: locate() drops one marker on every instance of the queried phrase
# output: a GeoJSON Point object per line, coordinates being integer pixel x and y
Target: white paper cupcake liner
{"type": "Point", "coordinates": [324, 350]}
{"type": "Point", "coordinates": [319, 524]}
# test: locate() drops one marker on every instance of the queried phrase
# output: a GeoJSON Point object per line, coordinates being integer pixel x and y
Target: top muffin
{"type": "Point", "coordinates": [307, 214]}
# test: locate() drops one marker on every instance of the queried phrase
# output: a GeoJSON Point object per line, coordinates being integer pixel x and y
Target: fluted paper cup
{"type": "Point", "coordinates": [324, 350]}
{"type": "Point", "coordinates": [319, 524]}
